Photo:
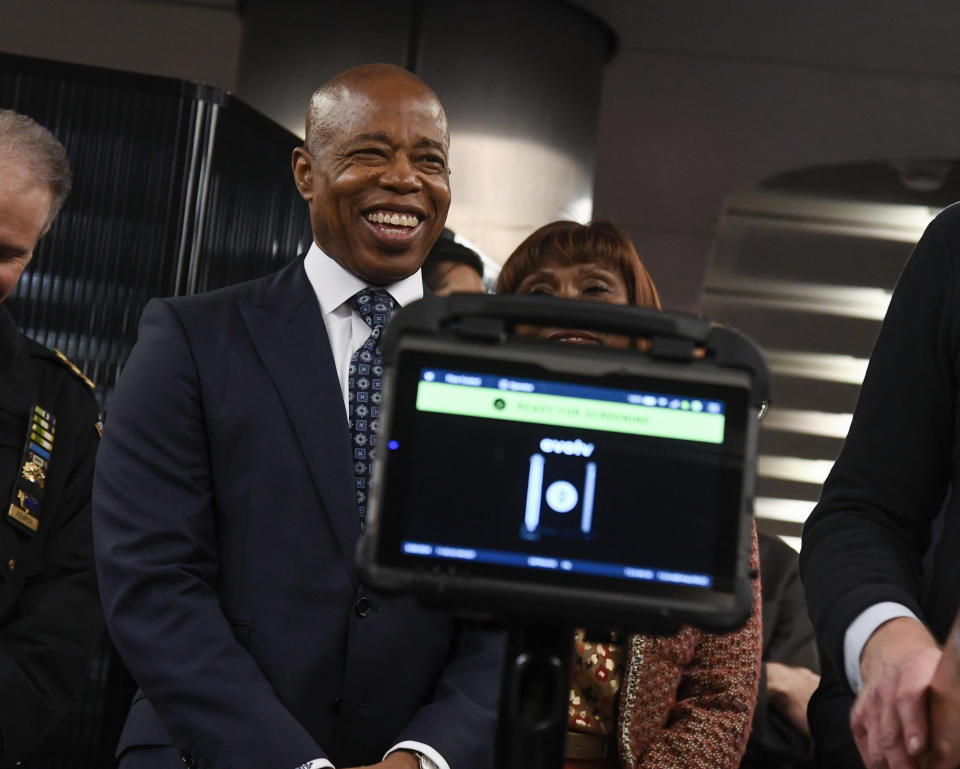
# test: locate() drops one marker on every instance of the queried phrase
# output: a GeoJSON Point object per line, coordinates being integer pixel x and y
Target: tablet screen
{"type": "Point", "coordinates": [628, 481]}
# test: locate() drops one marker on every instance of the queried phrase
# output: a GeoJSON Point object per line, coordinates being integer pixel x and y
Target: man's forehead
{"type": "Point", "coordinates": [367, 112]}
{"type": "Point", "coordinates": [406, 102]}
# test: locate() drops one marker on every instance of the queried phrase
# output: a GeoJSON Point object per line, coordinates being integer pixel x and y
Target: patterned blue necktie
{"type": "Point", "coordinates": [364, 384]}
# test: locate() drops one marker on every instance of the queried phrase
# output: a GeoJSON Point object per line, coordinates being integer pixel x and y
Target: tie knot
{"type": "Point", "coordinates": [373, 305]}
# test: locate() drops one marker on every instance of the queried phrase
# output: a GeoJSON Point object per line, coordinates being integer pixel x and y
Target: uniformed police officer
{"type": "Point", "coordinates": [50, 618]}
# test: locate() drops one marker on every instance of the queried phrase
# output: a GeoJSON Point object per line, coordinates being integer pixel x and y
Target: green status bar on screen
{"type": "Point", "coordinates": [567, 411]}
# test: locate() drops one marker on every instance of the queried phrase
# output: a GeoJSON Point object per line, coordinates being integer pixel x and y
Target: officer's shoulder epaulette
{"type": "Point", "coordinates": [57, 359]}
{"type": "Point", "coordinates": [74, 369]}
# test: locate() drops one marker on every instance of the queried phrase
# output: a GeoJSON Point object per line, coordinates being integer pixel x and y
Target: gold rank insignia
{"type": "Point", "coordinates": [76, 370]}
{"type": "Point", "coordinates": [32, 471]}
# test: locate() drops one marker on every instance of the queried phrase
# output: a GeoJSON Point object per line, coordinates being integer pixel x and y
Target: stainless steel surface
{"type": "Point", "coordinates": [809, 278]}
{"type": "Point", "coordinates": [520, 82]}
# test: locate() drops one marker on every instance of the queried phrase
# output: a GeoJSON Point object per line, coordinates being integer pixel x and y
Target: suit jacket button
{"type": "Point", "coordinates": [364, 607]}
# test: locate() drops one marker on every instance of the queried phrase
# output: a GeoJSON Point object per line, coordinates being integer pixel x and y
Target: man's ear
{"type": "Point", "coordinates": [302, 165]}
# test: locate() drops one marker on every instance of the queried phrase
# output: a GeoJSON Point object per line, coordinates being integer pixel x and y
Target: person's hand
{"type": "Point", "coordinates": [789, 689]}
{"type": "Point", "coordinates": [889, 718]}
{"type": "Point", "coordinates": [399, 759]}
{"type": "Point", "coordinates": [945, 707]}
{"type": "Point", "coordinates": [944, 722]}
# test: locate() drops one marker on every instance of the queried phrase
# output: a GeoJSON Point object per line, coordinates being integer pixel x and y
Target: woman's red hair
{"type": "Point", "coordinates": [566, 243]}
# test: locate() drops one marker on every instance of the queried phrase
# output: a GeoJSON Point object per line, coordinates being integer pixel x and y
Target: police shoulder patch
{"type": "Point", "coordinates": [75, 370]}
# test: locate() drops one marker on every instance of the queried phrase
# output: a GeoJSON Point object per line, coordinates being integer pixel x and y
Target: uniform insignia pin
{"type": "Point", "coordinates": [27, 501]}
{"type": "Point", "coordinates": [33, 473]}
{"type": "Point", "coordinates": [24, 518]}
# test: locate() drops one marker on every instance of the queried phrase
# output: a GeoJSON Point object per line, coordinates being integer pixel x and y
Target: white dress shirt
{"type": "Point", "coordinates": [347, 331]}
{"type": "Point", "coordinates": [859, 633]}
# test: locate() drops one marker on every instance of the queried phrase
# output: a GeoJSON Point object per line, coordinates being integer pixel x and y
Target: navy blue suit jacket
{"type": "Point", "coordinates": [225, 528]}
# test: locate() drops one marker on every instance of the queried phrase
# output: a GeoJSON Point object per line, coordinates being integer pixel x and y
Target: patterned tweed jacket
{"type": "Point", "coordinates": [687, 700]}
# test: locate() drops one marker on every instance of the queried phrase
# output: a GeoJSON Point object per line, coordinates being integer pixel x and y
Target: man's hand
{"type": "Point", "coordinates": [945, 706]}
{"type": "Point", "coordinates": [399, 759]}
{"type": "Point", "coordinates": [944, 722]}
{"type": "Point", "coordinates": [889, 718]}
{"type": "Point", "coordinates": [789, 689]}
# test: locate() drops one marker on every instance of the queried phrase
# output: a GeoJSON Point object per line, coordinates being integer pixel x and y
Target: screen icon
{"type": "Point", "coordinates": [560, 497]}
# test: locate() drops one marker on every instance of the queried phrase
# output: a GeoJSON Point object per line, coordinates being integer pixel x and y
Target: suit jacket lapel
{"type": "Point", "coordinates": [287, 329]}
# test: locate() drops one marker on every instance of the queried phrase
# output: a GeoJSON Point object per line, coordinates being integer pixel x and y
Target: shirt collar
{"type": "Point", "coordinates": [334, 285]}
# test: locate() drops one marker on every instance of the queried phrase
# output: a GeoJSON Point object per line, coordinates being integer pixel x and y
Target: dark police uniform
{"type": "Point", "coordinates": [50, 617]}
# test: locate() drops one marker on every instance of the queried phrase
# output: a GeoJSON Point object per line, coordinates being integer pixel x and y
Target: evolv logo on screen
{"type": "Point", "coordinates": [575, 448]}
{"type": "Point", "coordinates": [556, 488]}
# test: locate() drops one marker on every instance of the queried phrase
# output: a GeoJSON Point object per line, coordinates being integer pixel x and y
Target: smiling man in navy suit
{"type": "Point", "coordinates": [231, 485]}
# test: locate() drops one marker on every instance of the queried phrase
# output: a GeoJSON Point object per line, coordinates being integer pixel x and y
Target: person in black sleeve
{"type": "Point", "coordinates": [879, 555]}
{"type": "Point", "coordinates": [50, 619]}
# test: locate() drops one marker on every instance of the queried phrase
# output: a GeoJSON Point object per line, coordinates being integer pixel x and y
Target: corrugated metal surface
{"type": "Point", "coordinates": [808, 277]}
{"type": "Point", "coordinates": [177, 188]}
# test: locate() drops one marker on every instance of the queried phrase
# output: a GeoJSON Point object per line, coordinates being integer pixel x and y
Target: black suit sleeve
{"type": "Point", "coordinates": [865, 541]}
{"type": "Point", "coordinates": [464, 703]}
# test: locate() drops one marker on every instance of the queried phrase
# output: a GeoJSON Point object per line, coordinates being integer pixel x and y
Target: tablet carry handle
{"type": "Point", "coordinates": [509, 309]}
{"type": "Point", "coordinates": [673, 336]}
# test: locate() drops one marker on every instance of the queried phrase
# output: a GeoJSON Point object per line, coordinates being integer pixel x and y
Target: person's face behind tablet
{"type": "Point", "coordinates": [593, 281]}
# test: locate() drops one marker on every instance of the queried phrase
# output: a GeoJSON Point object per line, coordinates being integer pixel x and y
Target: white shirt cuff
{"type": "Point", "coordinates": [317, 763]}
{"type": "Point", "coordinates": [859, 633]}
{"type": "Point", "coordinates": [433, 760]}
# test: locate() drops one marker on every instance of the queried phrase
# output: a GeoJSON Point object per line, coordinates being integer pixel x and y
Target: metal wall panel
{"type": "Point", "coordinates": [177, 188]}
{"type": "Point", "coordinates": [520, 82]}
{"type": "Point", "coordinates": [809, 277]}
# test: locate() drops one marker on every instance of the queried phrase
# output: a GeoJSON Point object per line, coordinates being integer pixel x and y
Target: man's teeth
{"type": "Point", "coordinates": [385, 217]}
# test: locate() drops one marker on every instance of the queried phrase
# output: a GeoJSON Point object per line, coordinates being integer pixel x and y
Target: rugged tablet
{"type": "Point", "coordinates": [607, 487]}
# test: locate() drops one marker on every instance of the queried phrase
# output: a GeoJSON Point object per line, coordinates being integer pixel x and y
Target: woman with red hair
{"type": "Point", "coordinates": [682, 701]}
